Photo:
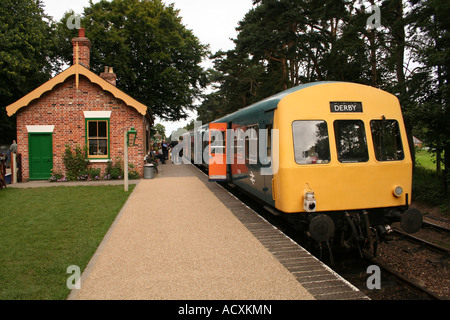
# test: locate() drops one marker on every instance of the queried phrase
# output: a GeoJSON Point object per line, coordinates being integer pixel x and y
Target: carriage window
{"type": "Point", "coordinates": [311, 143]}
{"type": "Point", "coordinates": [269, 140]}
{"type": "Point", "coordinates": [351, 142]}
{"type": "Point", "coordinates": [251, 144]}
{"type": "Point", "coordinates": [217, 142]}
{"type": "Point", "coordinates": [387, 141]}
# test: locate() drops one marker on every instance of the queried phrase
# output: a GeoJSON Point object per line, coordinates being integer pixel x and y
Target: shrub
{"type": "Point", "coordinates": [114, 170]}
{"type": "Point", "coordinates": [132, 173]}
{"type": "Point", "coordinates": [89, 174]}
{"type": "Point", "coordinates": [57, 176]}
{"type": "Point", "coordinates": [75, 162]}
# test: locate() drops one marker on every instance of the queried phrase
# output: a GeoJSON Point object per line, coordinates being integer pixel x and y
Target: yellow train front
{"type": "Point", "coordinates": [343, 152]}
{"type": "Point", "coordinates": [338, 156]}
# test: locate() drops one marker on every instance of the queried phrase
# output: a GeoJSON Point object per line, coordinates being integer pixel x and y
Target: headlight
{"type": "Point", "coordinates": [398, 191]}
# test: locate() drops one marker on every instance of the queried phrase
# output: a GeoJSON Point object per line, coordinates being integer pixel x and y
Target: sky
{"type": "Point", "coordinates": [212, 21]}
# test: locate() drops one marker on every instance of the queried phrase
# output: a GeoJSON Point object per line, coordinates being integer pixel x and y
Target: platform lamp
{"type": "Point", "coordinates": [129, 141]}
{"type": "Point", "coordinates": [131, 137]}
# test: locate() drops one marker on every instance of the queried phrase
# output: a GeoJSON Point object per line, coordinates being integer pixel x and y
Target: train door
{"type": "Point", "coordinates": [266, 155]}
{"type": "Point", "coordinates": [217, 152]}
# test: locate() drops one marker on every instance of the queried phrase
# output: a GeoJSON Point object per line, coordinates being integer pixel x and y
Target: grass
{"type": "Point", "coordinates": [427, 183]}
{"type": "Point", "coordinates": [45, 230]}
{"type": "Point", "coordinates": [426, 159]}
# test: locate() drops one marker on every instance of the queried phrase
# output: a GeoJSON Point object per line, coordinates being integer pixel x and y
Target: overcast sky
{"type": "Point", "coordinates": [212, 21]}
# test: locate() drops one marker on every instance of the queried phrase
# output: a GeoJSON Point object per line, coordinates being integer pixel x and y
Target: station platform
{"type": "Point", "coordinates": [181, 237]}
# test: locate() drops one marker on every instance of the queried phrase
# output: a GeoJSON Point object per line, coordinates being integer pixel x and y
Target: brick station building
{"type": "Point", "coordinates": [78, 107]}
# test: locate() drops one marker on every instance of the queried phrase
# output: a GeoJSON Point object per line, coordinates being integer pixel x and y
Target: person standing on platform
{"type": "Point", "coordinates": [12, 155]}
{"type": "Point", "coordinates": [13, 147]}
{"type": "Point", "coordinates": [165, 150]}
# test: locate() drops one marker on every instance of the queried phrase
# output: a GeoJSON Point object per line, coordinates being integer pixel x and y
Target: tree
{"type": "Point", "coordinates": [159, 128]}
{"type": "Point", "coordinates": [156, 59]}
{"type": "Point", "coordinates": [429, 25]}
{"type": "Point", "coordinates": [27, 55]}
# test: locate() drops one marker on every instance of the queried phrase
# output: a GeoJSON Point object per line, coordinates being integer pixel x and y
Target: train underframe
{"type": "Point", "coordinates": [357, 229]}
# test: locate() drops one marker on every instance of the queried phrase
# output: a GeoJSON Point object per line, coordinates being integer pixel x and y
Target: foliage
{"type": "Point", "coordinates": [90, 174]}
{"type": "Point", "coordinates": [114, 170]}
{"type": "Point", "coordinates": [57, 176]}
{"type": "Point", "coordinates": [283, 43]}
{"type": "Point", "coordinates": [132, 173]}
{"type": "Point", "coordinates": [75, 162]}
{"type": "Point", "coordinates": [27, 55]}
{"type": "Point", "coordinates": [427, 187]}
{"type": "Point", "coordinates": [156, 58]}
{"type": "Point", "coordinates": [159, 128]}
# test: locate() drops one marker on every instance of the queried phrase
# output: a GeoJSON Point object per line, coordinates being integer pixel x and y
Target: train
{"type": "Point", "coordinates": [333, 155]}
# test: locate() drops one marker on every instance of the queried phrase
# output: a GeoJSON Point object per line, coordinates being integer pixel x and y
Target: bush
{"type": "Point", "coordinates": [75, 162]}
{"type": "Point", "coordinates": [57, 176]}
{"type": "Point", "coordinates": [90, 174]}
{"type": "Point", "coordinates": [132, 173]}
{"type": "Point", "coordinates": [114, 170]}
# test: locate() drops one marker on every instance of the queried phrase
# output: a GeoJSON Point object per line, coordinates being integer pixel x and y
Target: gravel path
{"type": "Point", "coordinates": [175, 240]}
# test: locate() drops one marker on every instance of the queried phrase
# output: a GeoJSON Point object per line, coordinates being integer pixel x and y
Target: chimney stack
{"type": "Point", "coordinates": [109, 75]}
{"type": "Point", "coordinates": [84, 49]}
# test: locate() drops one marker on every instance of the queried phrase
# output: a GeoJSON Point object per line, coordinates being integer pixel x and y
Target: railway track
{"type": "Point", "coordinates": [427, 243]}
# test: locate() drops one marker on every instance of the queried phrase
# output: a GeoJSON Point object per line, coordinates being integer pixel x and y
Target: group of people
{"type": "Point", "coordinates": [161, 151]}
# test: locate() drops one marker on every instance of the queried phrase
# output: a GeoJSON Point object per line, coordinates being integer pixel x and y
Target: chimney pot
{"type": "Point", "coordinates": [109, 75]}
{"type": "Point", "coordinates": [81, 33]}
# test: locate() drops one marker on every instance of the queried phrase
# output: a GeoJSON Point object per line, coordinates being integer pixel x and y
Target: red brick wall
{"type": "Point", "coordinates": [63, 107]}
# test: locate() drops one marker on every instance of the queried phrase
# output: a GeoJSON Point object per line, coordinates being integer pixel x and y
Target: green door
{"type": "Point", "coordinates": [41, 155]}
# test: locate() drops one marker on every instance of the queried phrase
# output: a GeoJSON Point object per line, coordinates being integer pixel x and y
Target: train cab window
{"type": "Point", "coordinates": [351, 142]}
{"type": "Point", "coordinates": [387, 140]}
{"type": "Point", "coordinates": [311, 143]}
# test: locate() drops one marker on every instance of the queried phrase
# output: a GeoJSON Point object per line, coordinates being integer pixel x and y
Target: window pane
{"type": "Point", "coordinates": [102, 132]}
{"type": "Point", "coordinates": [251, 144]}
{"type": "Point", "coordinates": [93, 147]}
{"type": "Point", "coordinates": [92, 125]}
{"type": "Point", "coordinates": [217, 142]}
{"type": "Point", "coordinates": [387, 141]}
{"type": "Point", "coordinates": [351, 142]}
{"type": "Point", "coordinates": [102, 147]}
{"type": "Point", "coordinates": [311, 143]}
{"type": "Point", "coordinates": [269, 140]}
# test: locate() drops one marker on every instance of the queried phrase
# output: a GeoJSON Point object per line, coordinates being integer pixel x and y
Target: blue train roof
{"type": "Point", "coordinates": [269, 103]}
